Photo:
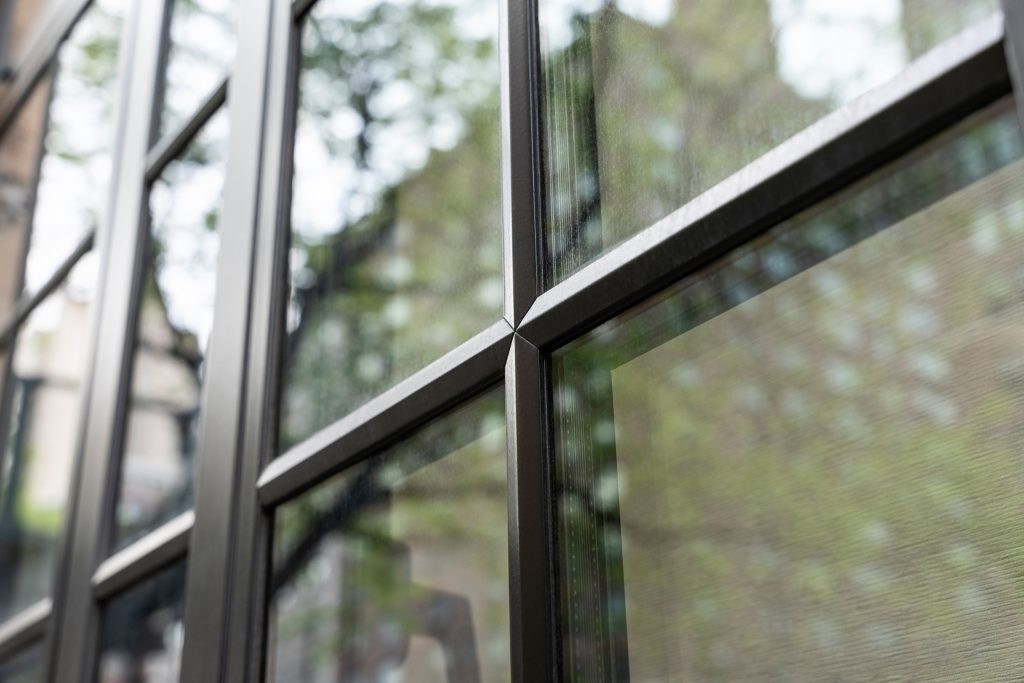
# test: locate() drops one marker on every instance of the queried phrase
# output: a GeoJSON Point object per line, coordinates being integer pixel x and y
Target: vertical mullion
{"type": "Point", "coordinates": [76, 627]}
{"type": "Point", "coordinates": [101, 240]}
{"type": "Point", "coordinates": [247, 607]}
{"type": "Point", "coordinates": [209, 584]}
{"type": "Point", "coordinates": [519, 157]}
{"type": "Point", "coordinates": [530, 582]}
{"type": "Point", "coordinates": [530, 568]}
{"type": "Point", "coordinates": [1013, 22]}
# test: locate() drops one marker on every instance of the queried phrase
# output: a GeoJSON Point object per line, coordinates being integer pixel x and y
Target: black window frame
{"type": "Point", "coordinates": [227, 536]}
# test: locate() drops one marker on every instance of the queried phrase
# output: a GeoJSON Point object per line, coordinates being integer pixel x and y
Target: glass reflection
{"type": "Point", "coordinates": [396, 234]}
{"type": "Point", "coordinates": [79, 142]}
{"type": "Point", "coordinates": [26, 667]}
{"type": "Point", "coordinates": [648, 103]}
{"type": "Point", "coordinates": [142, 632]}
{"type": "Point", "coordinates": [202, 49]}
{"type": "Point", "coordinates": [43, 405]}
{"type": "Point", "coordinates": [396, 569]}
{"type": "Point", "coordinates": [175, 318]}
{"type": "Point", "coordinates": [23, 20]}
{"type": "Point", "coordinates": [804, 463]}
{"type": "Point", "coordinates": [20, 151]}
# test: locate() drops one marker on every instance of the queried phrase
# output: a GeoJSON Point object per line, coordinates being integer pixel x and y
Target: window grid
{"type": "Point", "coordinates": [238, 483]}
{"type": "Point", "coordinates": [33, 625]}
{"type": "Point", "coordinates": [168, 543]}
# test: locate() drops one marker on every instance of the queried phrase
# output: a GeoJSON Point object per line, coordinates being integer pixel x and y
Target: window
{"type": "Point", "coordinates": [647, 105]}
{"type": "Point", "coordinates": [174, 320]}
{"type": "Point", "coordinates": [398, 567]}
{"type": "Point", "coordinates": [142, 632]}
{"type": "Point", "coordinates": [830, 404]}
{"type": "Point", "coordinates": [54, 189]}
{"type": "Point", "coordinates": [396, 200]}
{"type": "Point", "coordinates": [525, 340]}
{"type": "Point", "coordinates": [202, 47]}
{"type": "Point", "coordinates": [44, 389]}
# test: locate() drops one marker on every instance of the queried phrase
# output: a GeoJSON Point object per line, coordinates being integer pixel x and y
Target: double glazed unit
{"type": "Point", "coordinates": [518, 340]}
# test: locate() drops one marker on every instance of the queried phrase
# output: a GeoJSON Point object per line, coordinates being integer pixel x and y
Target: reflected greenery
{"type": "Point", "coordinates": [395, 226]}
{"type": "Point", "coordinates": [200, 55]}
{"type": "Point", "coordinates": [142, 631]}
{"type": "Point", "coordinates": [76, 166]}
{"type": "Point", "coordinates": [804, 462]}
{"type": "Point", "coordinates": [174, 323]}
{"type": "Point", "coordinates": [43, 400]}
{"type": "Point", "coordinates": [397, 568]}
{"type": "Point", "coordinates": [648, 103]}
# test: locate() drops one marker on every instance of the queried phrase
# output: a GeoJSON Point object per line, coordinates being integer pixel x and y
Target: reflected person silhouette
{"type": "Point", "coordinates": [397, 569]}
{"type": "Point", "coordinates": [382, 608]}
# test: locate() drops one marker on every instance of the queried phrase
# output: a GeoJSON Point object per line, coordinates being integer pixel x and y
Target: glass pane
{"type": "Point", "coordinates": [26, 667]}
{"type": "Point", "coordinates": [76, 167]}
{"type": "Point", "coordinates": [648, 103]}
{"type": "Point", "coordinates": [396, 211]}
{"type": "Point", "coordinates": [397, 569]}
{"type": "Point", "coordinates": [43, 401]}
{"type": "Point", "coordinates": [202, 50]}
{"type": "Point", "coordinates": [804, 462]}
{"type": "Point", "coordinates": [20, 151]}
{"type": "Point", "coordinates": [175, 318]}
{"type": "Point", "coordinates": [142, 631]}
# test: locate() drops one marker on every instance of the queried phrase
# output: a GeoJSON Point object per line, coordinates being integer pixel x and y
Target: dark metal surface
{"type": "Point", "coordinates": [520, 174]}
{"type": "Point", "coordinates": [102, 241]}
{"type": "Point", "coordinates": [25, 629]}
{"type": "Point", "coordinates": [531, 582]}
{"type": "Point", "coordinates": [300, 7]}
{"type": "Point", "coordinates": [208, 582]}
{"type": "Point", "coordinates": [75, 637]}
{"type": "Point", "coordinates": [952, 80]}
{"type": "Point", "coordinates": [246, 625]}
{"type": "Point", "coordinates": [440, 385]}
{"type": "Point", "coordinates": [173, 144]}
{"type": "Point", "coordinates": [149, 554]}
{"type": "Point", "coordinates": [25, 305]}
{"type": "Point", "coordinates": [238, 484]}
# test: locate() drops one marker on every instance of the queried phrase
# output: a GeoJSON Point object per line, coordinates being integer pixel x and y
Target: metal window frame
{"type": "Point", "coordinates": [226, 539]}
{"type": "Point", "coordinates": [91, 576]}
{"type": "Point", "coordinates": [34, 626]}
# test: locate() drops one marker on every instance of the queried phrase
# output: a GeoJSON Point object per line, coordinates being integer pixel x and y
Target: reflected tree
{"type": "Point", "coordinates": [396, 244]}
